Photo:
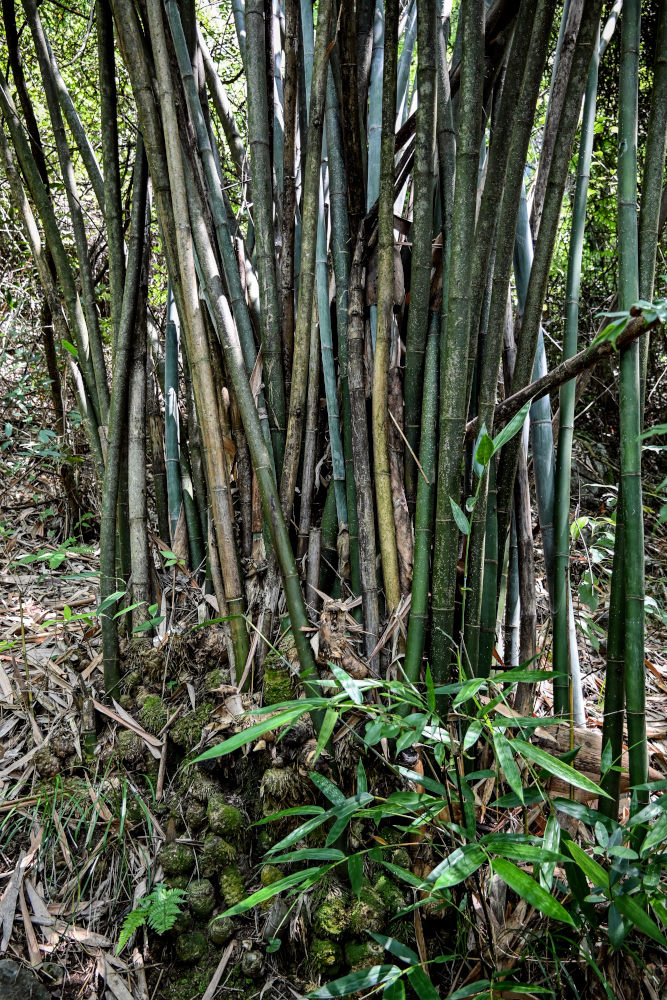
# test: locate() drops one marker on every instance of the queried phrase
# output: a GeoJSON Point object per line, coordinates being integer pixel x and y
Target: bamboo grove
{"type": "Point", "coordinates": [348, 394]}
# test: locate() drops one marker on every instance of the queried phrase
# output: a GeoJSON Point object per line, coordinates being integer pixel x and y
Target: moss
{"type": "Point", "coordinates": [216, 678]}
{"type": "Point", "coordinates": [187, 732]}
{"type": "Point", "coordinates": [332, 917]}
{"type": "Point", "coordinates": [220, 929]}
{"type": "Point", "coordinates": [270, 874]}
{"type": "Point", "coordinates": [401, 858]}
{"type": "Point", "coordinates": [131, 749]}
{"type": "Point", "coordinates": [177, 881]}
{"type": "Point", "coordinates": [177, 859]}
{"type": "Point", "coordinates": [368, 912]}
{"type": "Point", "coordinates": [363, 954]}
{"type": "Point", "coordinates": [231, 885]}
{"type": "Point", "coordinates": [252, 964]}
{"type": "Point", "coordinates": [277, 685]}
{"type": "Point", "coordinates": [390, 894]}
{"type": "Point", "coordinates": [195, 814]}
{"type": "Point", "coordinates": [225, 820]}
{"type": "Point", "coordinates": [190, 947]}
{"type": "Point", "coordinates": [199, 784]}
{"type": "Point", "coordinates": [281, 788]}
{"type": "Point", "coordinates": [201, 898]}
{"type": "Point", "coordinates": [216, 855]}
{"type": "Point", "coordinates": [325, 958]}
{"type": "Point", "coordinates": [154, 714]}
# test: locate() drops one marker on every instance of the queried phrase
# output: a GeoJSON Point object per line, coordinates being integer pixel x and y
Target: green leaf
{"type": "Point", "coordinates": [329, 790]}
{"type": "Point", "coordinates": [483, 450]}
{"type": "Point", "coordinates": [470, 990]}
{"type": "Point", "coordinates": [344, 814]}
{"type": "Point", "coordinates": [252, 733]}
{"type": "Point", "coordinates": [355, 870]}
{"type": "Point", "coordinates": [309, 854]}
{"type": "Point", "coordinates": [421, 984]}
{"type": "Point", "coordinates": [512, 428]}
{"type": "Point", "coordinates": [508, 764]}
{"type": "Point", "coordinates": [395, 947]}
{"type": "Point", "coordinates": [362, 783]}
{"type": "Point", "coordinates": [551, 841]}
{"type": "Point", "coordinates": [528, 889]}
{"type": "Point", "coordinates": [301, 831]}
{"type": "Point", "coordinates": [70, 347]}
{"type": "Point", "coordinates": [631, 909]}
{"type": "Point", "coordinates": [557, 767]}
{"type": "Point", "coordinates": [348, 684]}
{"type": "Point", "coordinates": [656, 835]}
{"type": "Point", "coordinates": [457, 867]}
{"type": "Point", "coordinates": [394, 990]}
{"type": "Point", "coordinates": [591, 869]}
{"type": "Point", "coordinates": [469, 689]}
{"type": "Point", "coordinates": [269, 891]}
{"type": "Point", "coordinates": [108, 601]}
{"type": "Point", "coordinates": [362, 980]}
{"type": "Point", "coordinates": [472, 734]}
{"type": "Point", "coordinates": [326, 729]}
{"type": "Point", "coordinates": [460, 518]}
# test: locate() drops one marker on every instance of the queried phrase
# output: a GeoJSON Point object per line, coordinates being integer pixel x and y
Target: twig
{"type": "Point", "coordinates": [217, 975]}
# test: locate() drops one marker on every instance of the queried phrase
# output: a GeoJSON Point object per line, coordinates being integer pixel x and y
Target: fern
{"type": "Point", "coordinates": [159, 909]}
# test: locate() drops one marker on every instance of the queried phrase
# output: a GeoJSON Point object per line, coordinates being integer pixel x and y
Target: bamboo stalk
{"type": "Point", "coordinates": [197, 347]}
{"type": "Point", "coordinates": [453, 363]}
{"type": "Point", "coordinates": [422, 236]}
{"type": "Point", "coordinates": [109, 582]}
{"type": "Point", "coordinates": [340, 249]}
{"type": "Point", "coordinates": [307, 270]}
{"type": "Point", "coordinates": [561, 617]}
{"type": "Point", "coordinates": [385, 299]}
{"type": "Point", "coordinates": [260, 159]}
{"type": "Point", "coordinates": [171, 415]}
{"type": "Point", "coordinates": [74, 205]}
{"type": "Point", "coordinates": [651, 189]}
{"type": "Point", "coordinates": [630, 406]}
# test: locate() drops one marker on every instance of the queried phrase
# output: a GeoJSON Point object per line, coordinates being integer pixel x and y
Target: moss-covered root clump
{"type": "Point", "coordinates": [331, 915]}
{"type": "Point", "coordinates": [154, 714]}
{"type": "Point", "coordinates": [225, 820]}
{"type": "Point", "coordinates": [325, 958]}
{"type": "Point", "coordinates": [177, 859]}
{"type": "Point", "coordinates": [282, 788]}
{"type": "Point", "coordinates": [216, 855]}
{"type": "Point", "coordinates": [190, 947]}
{"type": "Point", "coordinates": [368, 913]}
{"type": "Point", "coordinates": [363, 954]}
{"type": "Point", "coordinates": [201, 899]}
{"type": "Point", "coordinates": [220, 929]}
{"type": "Point", "coordinates": [277, 683]}
{"type": "Point", "coordinates": [232, 886]}
{"type": "Point", "coordinates": [390, 894]}
{"type": "Point", "coordinates": [188, 731]}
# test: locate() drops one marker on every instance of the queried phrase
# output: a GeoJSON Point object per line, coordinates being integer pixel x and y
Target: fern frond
{"type": "Point", "coordinates": [133, 921]}
{"type": "Point", "coordinates": [164, 908]}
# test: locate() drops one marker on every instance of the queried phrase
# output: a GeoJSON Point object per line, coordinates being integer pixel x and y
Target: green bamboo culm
{"type": "Point", "coordinates": [630, 406]}
{"type": "Point", "coordinates": [425, 509]}
{"type": "Point", "coordinates": [258, 137]}
{"type": "Point", "coordinates": [340, 250]}
{"type": "Point", "coordinates": [117, 416]}
{"type": "Point", "coordinates": [385, 312]}
{"type": "Point", "coordinates": [171, 423]}
{"type": "Point", "coordinates": [422, 231]}
{"type": "Point", "coordinates": [454, 362]}
{"type": "Point", "coordinates": [561, 626]}
{"type": "Point", "coordinates": [654, 160]}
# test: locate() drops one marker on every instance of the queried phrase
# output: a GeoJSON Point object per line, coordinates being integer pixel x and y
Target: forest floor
{"type": "Point", "coordinates": [93, 798]}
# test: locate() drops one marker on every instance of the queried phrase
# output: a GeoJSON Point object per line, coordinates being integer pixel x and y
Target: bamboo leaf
{"type": "Point", "coordinates": [252, 733]}
{"type": "Point", "coordinates": [590, 868]}
{"type": "Point", "coordinates": [528, 889]}
{"type": "Point", "coordinates": [355, 869]}
{"type": "Point", "coordinates": [512, 428]}
{"type": "Point", "coordinates": [395, 947]}
{"type": "Point", "coordinates": [327, 728]}
{"type": "Point", "coordinates": [508, 764]}
{"type": "Point", "coordinates": [460, 518]}
{"type": "Point", "coordinates": [269, 891]}
{"type": "Point", "coordinates": [557, 767]}
{"type": "Point", "coordinates": [348, 684]}
{"type": "Point", "coordinates": [355, 981]}
{"type": "Point", "coordinates": [328, 789]}
{"type": "Point", "coordinates": [631, 909]}
{"type": "Point", "coordinates": [457, 867]}
{"type": "Point", "coordinates": [421, 984]}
